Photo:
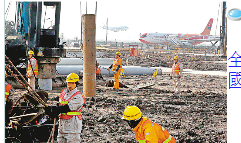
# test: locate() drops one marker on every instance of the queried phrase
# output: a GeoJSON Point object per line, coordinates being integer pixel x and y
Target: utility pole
{"type": "Point", "coordinates": [106, 31]}
{"type": "Point", "coordinates": [223, 34]}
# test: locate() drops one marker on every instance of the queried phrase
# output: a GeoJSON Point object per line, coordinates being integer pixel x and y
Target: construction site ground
{"type": "Point", "coordinates": [197, 114]}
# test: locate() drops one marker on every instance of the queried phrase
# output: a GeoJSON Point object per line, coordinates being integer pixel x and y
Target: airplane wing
{"type": "Point", "coordinates": [174, 40]}
{"type": "Point", "coordinates": [200, 40]}
{"type": "Point", "coordinates": [116, 29]}
{"type": "Point", "coordinates": [112, 29]}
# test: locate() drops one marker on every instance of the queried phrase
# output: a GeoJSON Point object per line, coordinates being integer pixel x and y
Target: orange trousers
{"type": "Point", "coordinates": [116, 80]}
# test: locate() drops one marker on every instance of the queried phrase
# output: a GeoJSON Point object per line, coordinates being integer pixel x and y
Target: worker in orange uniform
{"type": "Point", "coordinates": [98, 71]}
{"type": "Point", "coordinates": [116, 68]}
{"type": "Point", "coordinates": [32, 71]}
{"type": "Point", "coordinates": [145, 130]}
{"type": "Point", "coordinates": [8, 102]}
{"type": "Point", "coordinates": [71, 103]}
{"type": "Point", "coordinates": [177, 69]}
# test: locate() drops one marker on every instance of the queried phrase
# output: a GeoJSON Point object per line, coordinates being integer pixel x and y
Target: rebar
{"type": "Point", "coordinates": [20, 82]}
{"type": "Point", "coordinates": [35, 95]}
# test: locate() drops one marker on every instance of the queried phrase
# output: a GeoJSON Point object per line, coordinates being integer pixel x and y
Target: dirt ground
{"type": "Point", "coordinates": [197, 114]}
{"type": "Point", "coordinates": [160, 58]}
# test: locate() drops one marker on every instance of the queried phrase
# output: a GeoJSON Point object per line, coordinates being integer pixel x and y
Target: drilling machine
{"type": "Point", "coordinates": [27, 112]}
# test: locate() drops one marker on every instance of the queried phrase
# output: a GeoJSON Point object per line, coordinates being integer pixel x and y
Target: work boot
{"type": "Point", "coordinates": [115, 89]}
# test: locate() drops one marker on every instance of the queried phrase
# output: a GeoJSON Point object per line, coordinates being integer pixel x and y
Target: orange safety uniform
{"type": "Point", "coordinates": [116, 62]}
{"type": "Point", "coordinates": [7, 91]}
{"type": "Point", "coordinates": [175, 69]}
{"type": "Point", "coordinates": [34, 68]}
{"type": "Point", "coordinates": [98, 71]}
{"type": "Point", "coordinates": [149, 132]}
{"type": "Point", "coordinates": [70, 114]}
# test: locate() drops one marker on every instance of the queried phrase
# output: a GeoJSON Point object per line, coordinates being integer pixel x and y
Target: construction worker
{"type": "Point", "coordinates": [71, 102]}
{"type": "Point", "coordinates": [116, 68]}
{"type": "Point", "coordinates": [145, 130]}
{"type": "Point", "coordinates": [8, 102]}
{"type": "Point", "coordinates": [32, 71]}
{"type": "Point", "coordinates": [176, 74]}
{"type": "Point", "coordinates": [98, 71]}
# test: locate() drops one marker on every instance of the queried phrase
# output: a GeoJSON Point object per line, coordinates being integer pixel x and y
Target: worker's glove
{"type": "Point", "coordinates": [54, 111]}
{"type": "Point", "coordinates": [170, 77]}
{"type": "Point", "coordinates": [63, 108]}
{"type": "Point", "coordinates": [114, 71]}
{"type": "Point", "coordinates": [50, 111]}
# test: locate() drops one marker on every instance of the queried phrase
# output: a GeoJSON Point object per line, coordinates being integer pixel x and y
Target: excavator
{"type": "Point", "coordinates": [27, 121]}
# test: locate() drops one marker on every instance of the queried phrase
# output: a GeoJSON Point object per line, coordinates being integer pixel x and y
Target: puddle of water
{"type": "Point", "coordinates": [218, 73]}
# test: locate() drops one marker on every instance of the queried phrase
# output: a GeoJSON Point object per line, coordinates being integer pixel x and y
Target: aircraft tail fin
{"type": "Point", "coordinates": [207, 29]}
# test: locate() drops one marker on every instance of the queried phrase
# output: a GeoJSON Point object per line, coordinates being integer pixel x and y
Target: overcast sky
{"type": "Point", "coordinates": [142, 16]}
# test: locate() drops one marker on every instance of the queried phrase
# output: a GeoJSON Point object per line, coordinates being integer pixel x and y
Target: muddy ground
{"type": "Point", "coordinates": [197, 114]}
{"type": "Point", "coordinates": [198, 62]}
{"type": "Point", "coordinates": [160, 58]}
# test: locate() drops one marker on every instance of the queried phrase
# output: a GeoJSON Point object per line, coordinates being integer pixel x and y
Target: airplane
{"type": "Point", "coordinates": [180, 39]}
{"type": "Point", "coordinates": [115, 29]}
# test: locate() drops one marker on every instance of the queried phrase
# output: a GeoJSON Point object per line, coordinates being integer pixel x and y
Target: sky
{"type": "Point", "coordinates": [172, 16]}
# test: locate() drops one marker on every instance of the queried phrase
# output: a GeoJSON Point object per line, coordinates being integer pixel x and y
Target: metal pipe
{"type": "Point", "coordinates": [57, 21]}
{"type": "Point", "coordinates": [79, 61]}
{"type": "Point", "coordinates": [128, 70]}
{"type": "Point", "coordinates": [89, 55]}
{"type": "Point", "coordinates": [32, 20]}
{"type": "Point", "coordinates": [38, 29]}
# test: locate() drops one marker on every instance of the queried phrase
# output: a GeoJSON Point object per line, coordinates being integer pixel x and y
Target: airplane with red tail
{"type": "Point", "coordinates": [180, 39]}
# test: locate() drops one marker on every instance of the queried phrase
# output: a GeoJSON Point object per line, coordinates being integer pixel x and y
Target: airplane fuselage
{"type": "Point", "coordinates": [116, 29]}
{"type": "Point", "coordinates": [165, 38]}
{"type": "Point", "coordinates": [180, 39]}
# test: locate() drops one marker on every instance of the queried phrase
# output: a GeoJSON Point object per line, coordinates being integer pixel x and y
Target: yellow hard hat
{"type": "Point", "coordinates": [175, 57]}
{"type": "Point", "coordinates": [132, 113]}
{"type": "Point", "coordinates": [30, 52]}
{"type": "Point", "coordinates": [73, 77]}
{"type": "Point", "coordinates": [118, 53]}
